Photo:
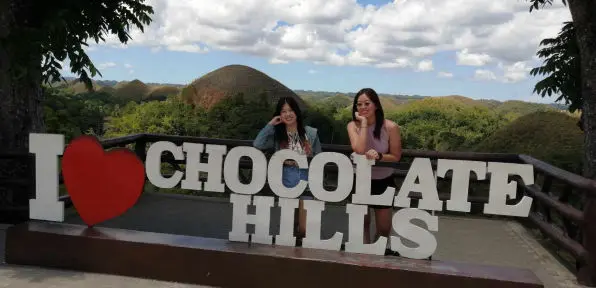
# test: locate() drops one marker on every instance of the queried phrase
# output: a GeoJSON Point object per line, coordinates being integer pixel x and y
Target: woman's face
{"type": "Point", "coordinates": [365, 107]}
{"type": "Point", "coordinates": [287, 115]}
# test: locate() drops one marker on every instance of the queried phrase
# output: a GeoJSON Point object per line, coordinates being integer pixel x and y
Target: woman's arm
{"type": "Point", "coordinates": [264, 139]}
{"type": "Point", "coordinates": [316, 145]}
{"type": "Point", "coordinates": [394, 154]}
{"type": "Point", "coordinates": [357, 139]}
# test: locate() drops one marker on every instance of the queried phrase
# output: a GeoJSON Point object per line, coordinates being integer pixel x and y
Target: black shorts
{"type": "Point", "coordinates": [378, 187]}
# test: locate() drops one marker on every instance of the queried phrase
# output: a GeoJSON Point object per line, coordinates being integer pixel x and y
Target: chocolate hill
{"type": "Point", "coordinates": [231, 80]}
{"type": "Point", "coordinates": [550, 136]}
{"type": "Point", "coordinates": [134, 90]}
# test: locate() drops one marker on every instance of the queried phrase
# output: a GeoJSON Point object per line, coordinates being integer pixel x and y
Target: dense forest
{"type": "Point", "coordinates": [450, 123]}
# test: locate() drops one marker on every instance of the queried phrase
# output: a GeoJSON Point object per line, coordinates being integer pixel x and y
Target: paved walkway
{"type": "Point", "coordinates": [13, 276]}
{"type": "Point", "coordinates": [464, 239]}
{"type": "Point", "coordinates": [33, 277]}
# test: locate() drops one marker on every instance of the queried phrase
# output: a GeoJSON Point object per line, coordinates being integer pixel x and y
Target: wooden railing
{"type": "Point", "coordinates": [576, 230]}
{"type": "Point", "coordinates": [563, 208]}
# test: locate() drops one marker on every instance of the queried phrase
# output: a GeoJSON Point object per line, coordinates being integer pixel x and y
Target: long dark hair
{"type": "Point", "coordinates": [281, 134]}
{"type": "Point", "coordinates": [379, 114]}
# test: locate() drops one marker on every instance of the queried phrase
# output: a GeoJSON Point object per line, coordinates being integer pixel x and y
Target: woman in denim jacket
{"type": "Point", "coordinates": [287, 131]}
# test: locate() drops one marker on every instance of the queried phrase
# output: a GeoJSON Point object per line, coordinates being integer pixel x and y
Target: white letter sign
{"type": "Point", "coordinates": [500, 188]}
{"type": "Point", "coordinates": [223, 163]}
{"type": "Point", "coordinates": [47, 148]}
{"type": "Point", "coordinates": [232, 166]}
{"type": "Point", "coordinates": [356, 232]}
{"type": "Point", "coordinates": [275, 169]}
{"type": "Point", "coordinates": [314, 209]}
{"type": "Point", "coordinates": [260, 219]}
{"type": "Point", "coordinates": [422, 170]}
{"type": "Point", "coordinates": [460, 180]}
{"type": "Point", "coordinates": [212, 167]}
{"type": "Point", "coordinates": [363, 176]}
{"type": "Point", "coordinates": [427, 243]}
{"type": "Point", "coordinates": [345, 177]}
{"type": "Point", "coordinates": [153, 164]}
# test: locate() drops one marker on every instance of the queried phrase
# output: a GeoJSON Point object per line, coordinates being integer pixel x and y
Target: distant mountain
{"type": "Point", "coordinates": [559, 106]}
{"type": "Point", "coordinates": [112, 83]}
{"type": "Point", "coordinates": [232, 79]}
{"type": "Point", "coordinates": [134, 90]}
{"type": "Point", "coordinates": [316, 95]}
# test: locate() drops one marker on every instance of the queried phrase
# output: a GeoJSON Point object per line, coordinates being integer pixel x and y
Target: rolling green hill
{"type": "Point", "coordinates": [442, 123]}
{"type": "Point", "coordinates": [550, 136]}
{"type": "Point", "coordinates": [230, 80]}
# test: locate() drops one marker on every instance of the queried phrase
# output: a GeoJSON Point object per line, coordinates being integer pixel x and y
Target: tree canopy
{"type": "Point", "coordinates": [56, 30]}
{"type": "Point", "coordinates": [562, 65]}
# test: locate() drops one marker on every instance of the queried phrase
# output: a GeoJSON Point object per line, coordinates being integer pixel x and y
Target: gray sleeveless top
{"type": "Point", "coordinates": [380, 145]}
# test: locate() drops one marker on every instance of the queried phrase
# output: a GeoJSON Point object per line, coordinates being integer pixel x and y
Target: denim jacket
{"type": "Point", "coordinates": [291, 175]}
{"type": "Point", "coordinates": [265, 139]}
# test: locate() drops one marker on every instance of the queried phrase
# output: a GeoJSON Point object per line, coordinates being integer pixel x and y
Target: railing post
{"type": "Point", "coordinates": [140, 148]}
{"type": "Point", "coordinates": [141, 153]}
{"type": "Point", "coordinates": [587, 273]}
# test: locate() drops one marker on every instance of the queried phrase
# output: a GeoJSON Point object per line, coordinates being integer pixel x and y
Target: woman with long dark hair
{"type": "Point", "coordinates": [287, 131]}
{"type": "Point", "coordinates": [379, 139]}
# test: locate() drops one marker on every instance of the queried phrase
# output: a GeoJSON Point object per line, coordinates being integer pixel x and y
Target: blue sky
{"type": "Point", "coordinates": [493, 63]}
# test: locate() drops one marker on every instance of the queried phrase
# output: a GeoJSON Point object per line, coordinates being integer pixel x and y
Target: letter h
{"type": "Point", "coordinates": [261, 218]}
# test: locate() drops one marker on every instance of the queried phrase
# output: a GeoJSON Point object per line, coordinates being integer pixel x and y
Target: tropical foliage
{"type": "Point", "coordinates": [452, 123]}
{"type": "Point", "coordinates": [562, 67]}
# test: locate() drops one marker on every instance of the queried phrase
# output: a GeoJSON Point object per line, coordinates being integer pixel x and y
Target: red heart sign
{"type": "Point", "coordinates": [102, 185]}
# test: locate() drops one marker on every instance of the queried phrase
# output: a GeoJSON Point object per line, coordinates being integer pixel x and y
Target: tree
{"type": "Point", "coordinates": [34, 37]}
{"type": "Point", "coordinates": [562, 65]}
{"type": "Point", "coordinates": [578, 89]}
{"type": "Point", "coordinates": [584, 22]}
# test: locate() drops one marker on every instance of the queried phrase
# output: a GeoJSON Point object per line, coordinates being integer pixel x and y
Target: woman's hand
{"type": "Point", "coordinates": [372, 154]}
{"type": "Point", "coordinates": [357, 138]}
{"type": "Point", "coordinates": [360, 119]}
{"type": "Point", "coordinates": [276, 120]}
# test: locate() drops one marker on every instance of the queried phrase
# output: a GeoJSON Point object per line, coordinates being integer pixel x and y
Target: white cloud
{"type": "Point", "coordinates": [397, 63]}
{"type": "Point", "coordinates": [425, 65]}
{"type": "Point", "coordinates": [511, 73]}
{"type": "Point", "coordinates": [277, 61]}
{"type": "Point", "coordinates": [106, 65]}
{"type": "Point", "coordinates": [342, 32]}
{"type": "Point", "coordinates": [482, 74]}
{"type": "Point", "coordinates": [515, 72]}
{"type": "Point", "coordinates": [472, 59]}
{"type": "Point", "coordinates": [443, 74]}
{"type": "Point", "coordinates": [129, 67]}
{"type": "Point", "coordinates": [188, 48]}
{"type": "Point", "coordinates": [312, 71]}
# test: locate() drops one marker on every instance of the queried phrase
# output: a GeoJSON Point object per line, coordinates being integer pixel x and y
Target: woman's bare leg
{"type": "Point", "coordinates": [301, 219]}
{"type": "Point", "coordinates": [383, 222]}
